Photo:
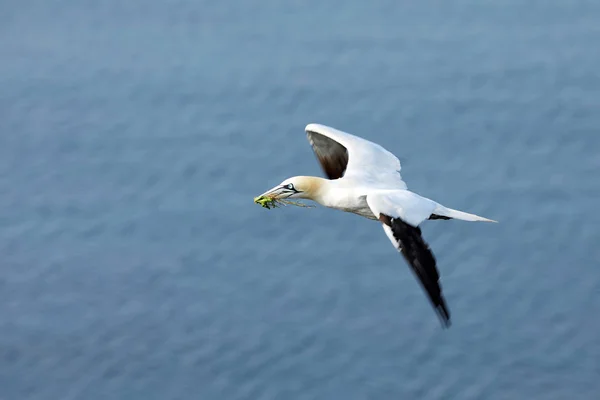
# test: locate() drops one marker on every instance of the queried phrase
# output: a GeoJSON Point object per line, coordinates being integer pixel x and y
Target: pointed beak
{"type": "Point", "coordinates": [278, 192]}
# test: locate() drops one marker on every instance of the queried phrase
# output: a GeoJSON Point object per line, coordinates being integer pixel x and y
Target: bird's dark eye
{"type": "Point", "coordinates": [289, 186]}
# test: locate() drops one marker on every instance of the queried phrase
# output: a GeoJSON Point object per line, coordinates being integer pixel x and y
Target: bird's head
{"type": "Point", "coordinates": [297, 187]}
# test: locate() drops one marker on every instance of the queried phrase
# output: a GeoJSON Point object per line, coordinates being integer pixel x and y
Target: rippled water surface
{"type": "Point", "coordinates": [134, 135]}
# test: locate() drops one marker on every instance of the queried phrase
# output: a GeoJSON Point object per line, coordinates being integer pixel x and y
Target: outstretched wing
{"type": "Point", "coordinates": [344, 155]}
{"type": "Point", "coordinates": [407, 239]}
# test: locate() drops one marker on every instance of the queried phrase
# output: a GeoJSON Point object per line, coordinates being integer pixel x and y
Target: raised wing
{"type": "Point", "coordinates": [406, 238]}
{"type": "Point", "coordinates": [344, 155]}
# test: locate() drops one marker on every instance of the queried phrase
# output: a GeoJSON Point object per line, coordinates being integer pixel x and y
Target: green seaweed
{"type": "Point", "coordinates": [270, 202]}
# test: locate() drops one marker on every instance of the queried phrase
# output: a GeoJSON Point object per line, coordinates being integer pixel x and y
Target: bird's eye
{"type": "Point", "coordinates": [289, 186]}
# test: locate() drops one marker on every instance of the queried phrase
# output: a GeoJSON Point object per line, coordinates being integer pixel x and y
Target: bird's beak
{"type": "Point", "coordinates": [278, 192]}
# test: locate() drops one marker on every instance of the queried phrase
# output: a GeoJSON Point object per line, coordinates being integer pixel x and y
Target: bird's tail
{"type": "Point", "coordinates": [455, 214]}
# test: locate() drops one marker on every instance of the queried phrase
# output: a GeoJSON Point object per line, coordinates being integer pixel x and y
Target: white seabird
{"type": "Point", "coordinates": [364, 179]}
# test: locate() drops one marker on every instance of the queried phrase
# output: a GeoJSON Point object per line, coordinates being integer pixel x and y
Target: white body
{"type": "Point", "coordinates": [372, 184]}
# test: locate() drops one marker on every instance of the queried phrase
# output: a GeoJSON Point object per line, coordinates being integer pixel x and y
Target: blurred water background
{"type": "Point", "coordinates": [134, 135]}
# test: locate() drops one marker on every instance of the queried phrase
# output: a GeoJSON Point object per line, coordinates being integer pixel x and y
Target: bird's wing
{"type": "Point", "coordinates": [344, 155]}
{"type": "Point", "coordinates": [393, 210]}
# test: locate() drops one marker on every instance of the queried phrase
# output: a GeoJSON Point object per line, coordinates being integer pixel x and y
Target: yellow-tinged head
{"type": "Point", "coordinates": [297, 187]}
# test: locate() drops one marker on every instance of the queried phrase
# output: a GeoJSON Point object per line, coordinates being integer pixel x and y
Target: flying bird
{"type": "Point", "coordinates": [363, 178]}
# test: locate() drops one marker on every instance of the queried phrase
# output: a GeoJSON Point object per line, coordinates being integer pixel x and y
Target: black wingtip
{"type": "Point", "coordinates": [422, 262]}
{"type": "Point", "coordinates": [444, 315]}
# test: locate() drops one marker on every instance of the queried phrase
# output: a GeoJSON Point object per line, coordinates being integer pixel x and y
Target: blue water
{"type": "Point", "coordinates": [134, 135]}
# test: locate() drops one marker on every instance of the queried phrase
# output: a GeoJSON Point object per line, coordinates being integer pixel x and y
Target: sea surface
{"type": "Point", "coordinates": [135, 134]}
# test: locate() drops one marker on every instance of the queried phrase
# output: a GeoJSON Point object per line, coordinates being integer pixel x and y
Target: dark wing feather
{"type": "Point", "coordinates": [332, 156]}
{"type": "Point", "coordinates": [422, 262]}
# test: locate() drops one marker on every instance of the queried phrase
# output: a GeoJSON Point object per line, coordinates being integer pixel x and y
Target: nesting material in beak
{"type": "Point", "coordinates": [266, 202]}
{"type": "Point", "coordinates": [269, 202]}
{"type": "Point", "coordinates": [272, 199]}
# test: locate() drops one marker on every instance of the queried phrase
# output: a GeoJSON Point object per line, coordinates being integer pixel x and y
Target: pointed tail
{"type": "Point", "coordinates": [455, 214]}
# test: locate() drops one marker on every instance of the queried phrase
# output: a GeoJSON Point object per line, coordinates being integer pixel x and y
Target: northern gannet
{"type": "Point", "coordinates": [364, 179]}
